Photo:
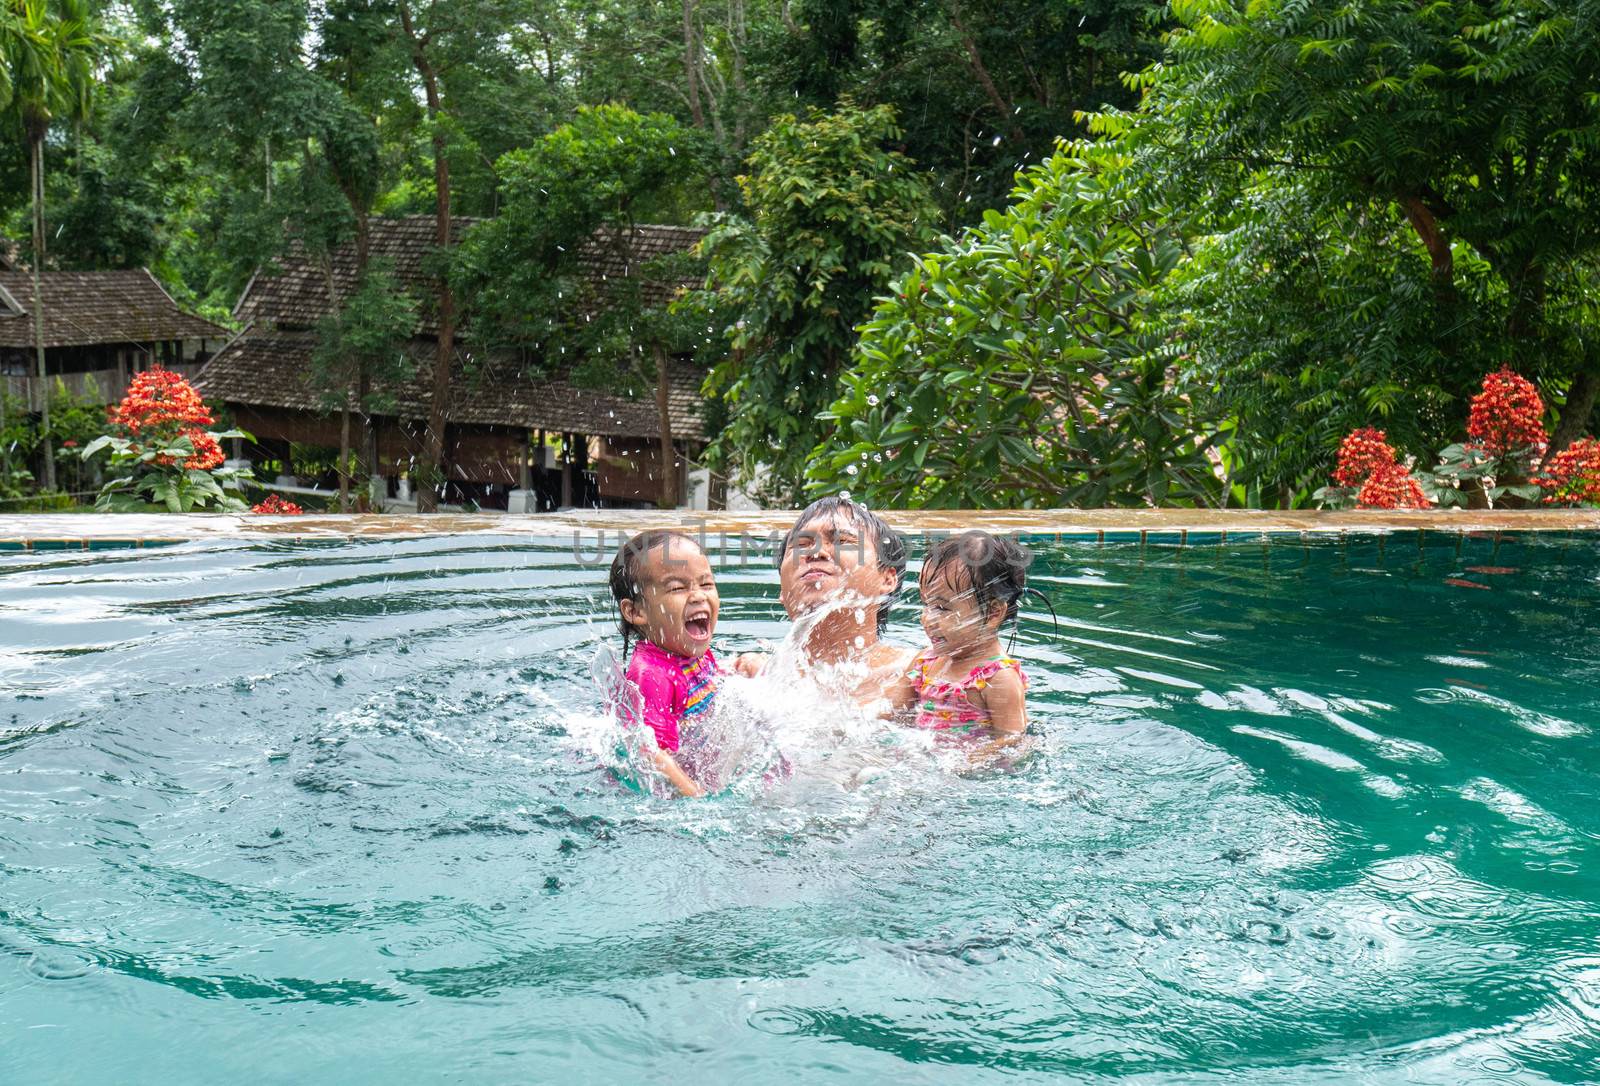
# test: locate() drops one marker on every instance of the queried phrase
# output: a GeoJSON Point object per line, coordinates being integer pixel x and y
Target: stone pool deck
{"type": "Point", "coordinates": [94, 531]}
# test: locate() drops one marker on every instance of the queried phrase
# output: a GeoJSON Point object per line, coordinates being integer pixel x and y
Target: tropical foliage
{"type": "Point", "coordinates": [1018, 365]}
{"type": "Point", "coordinates": [830, 207]}
{"type": "Point", "coordinates": [1375, 205]}
{"type": "Point", "coordinates": [1242, 229]}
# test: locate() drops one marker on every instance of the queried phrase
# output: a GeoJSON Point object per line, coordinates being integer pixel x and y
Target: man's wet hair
{"type": "Point", "coordinates": [886, 542]}
{"type": "Point", "coordinates": [996, 568]}
{"type": "Point", "coordinates": [625, 583]}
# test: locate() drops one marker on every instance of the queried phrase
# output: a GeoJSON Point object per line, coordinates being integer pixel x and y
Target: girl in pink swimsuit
{"type": "Point", "coordinates": [970, 585]}
{"type": "Point", "coordinates": [667, 596]}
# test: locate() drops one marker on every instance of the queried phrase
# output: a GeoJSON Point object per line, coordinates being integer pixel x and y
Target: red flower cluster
{"type": "Point", "coordinates": [1507, 415]}
{"type": "Point", "coordinates": [159, 397]}
{"type": "Point", "coordinates": [276, 506]}
{"type": "Point", "coordinates": [1391, 486]}
{"type": "Point", "coordinates": [207, 452]}
{"type": "Point", "coordinates": [1572, 477]}
{"type": "Point", "coordinates": [1368, 461]}
{"type": "Point", "coordinates": [1363, 452]}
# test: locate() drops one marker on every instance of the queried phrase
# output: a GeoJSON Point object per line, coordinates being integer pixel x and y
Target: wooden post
{"type": "Point", "coordinates": [566, 470]}
{"type": "Point", "coordinates": [669, 461]}
{"type": "Point", "coordinates": [581, 494]}
{"type": "Point", "coordinates": [525, 472]}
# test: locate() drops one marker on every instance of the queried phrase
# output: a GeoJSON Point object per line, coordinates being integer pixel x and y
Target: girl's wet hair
{"type": "Point", "coordinates": [886, 542]}
{"type": "Point", "coordinates": [625, 583]}
{"type": "Point", "coordinates": [996, 568]}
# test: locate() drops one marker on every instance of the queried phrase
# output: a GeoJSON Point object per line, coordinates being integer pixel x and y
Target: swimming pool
{"type": "Point", "coordinates": [1298, 811]}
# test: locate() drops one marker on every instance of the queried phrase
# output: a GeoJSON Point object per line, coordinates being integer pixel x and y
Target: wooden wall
{"type": "Point", "coordinates": [477, 454]}
{"type": "Point", "coordinates": [629, 469]}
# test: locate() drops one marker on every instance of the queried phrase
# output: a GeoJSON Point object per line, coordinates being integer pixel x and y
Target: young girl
{"type": "Point", "coordinates": [668, 599]}
{"type": "Point", "coordinates": [970, 588]}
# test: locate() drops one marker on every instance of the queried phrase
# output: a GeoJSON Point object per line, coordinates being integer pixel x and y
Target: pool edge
{"type": "Point", "coordinates": [33, 532]}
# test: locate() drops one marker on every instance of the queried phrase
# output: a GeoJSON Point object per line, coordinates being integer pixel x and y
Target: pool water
{"type": "Point", "coordinates": [1293, 812]}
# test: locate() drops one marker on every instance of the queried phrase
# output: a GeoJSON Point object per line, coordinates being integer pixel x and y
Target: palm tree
{"type": "Point", "coordinates": [47, 54]}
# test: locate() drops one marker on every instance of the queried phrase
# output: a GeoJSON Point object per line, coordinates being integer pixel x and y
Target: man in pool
{"type": "Point", "coordinates": [841, 566]}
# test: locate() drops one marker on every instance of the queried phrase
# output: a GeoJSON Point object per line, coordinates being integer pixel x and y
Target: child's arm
{"type": "Point", "coordinates": [750, 664]}
{"type": "Point", "coordinates": [674, 772]}
{"type": "Point", "coordinates": [1004, 696]}
{"type": "Point", "coordinates": [899, 693]}
{"type": "Point", "coordinates": [661, 699]}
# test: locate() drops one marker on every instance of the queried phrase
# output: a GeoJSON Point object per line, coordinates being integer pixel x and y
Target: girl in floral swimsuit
{"type": "Point", "coordinates": [970, 585]}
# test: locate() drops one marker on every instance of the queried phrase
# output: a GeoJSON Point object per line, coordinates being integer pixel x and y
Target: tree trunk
{"type": "Point", "coordinates": [439, 408]}
{"type": "Point", "coordinates": [1575, 414]}
{"type": "Point", "coordinates": [1433, 239]}
{"type": "Point", "coordinates": [1002, 106]}
{"type": "Point", "coordinates": [38, 309]}
{"type": "Point", "coordinates": [691, 63]}
{"type": "Point", "coordinates": [669, 466]}
{"type": "Point", "coordinates": [366, 461]}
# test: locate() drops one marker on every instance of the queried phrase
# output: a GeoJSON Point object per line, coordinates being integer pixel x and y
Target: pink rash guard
{"type": "Point", "coordinates": [674, 689]}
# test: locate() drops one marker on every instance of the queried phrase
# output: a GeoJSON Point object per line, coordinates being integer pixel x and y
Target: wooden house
{"type": "Point", "coordinates": [99, 329]}
{"type": "Point", "coordinates": [502, 425]}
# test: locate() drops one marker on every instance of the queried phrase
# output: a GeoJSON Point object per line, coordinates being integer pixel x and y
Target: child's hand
{"type": "Point", "coordinates": [750, 664]}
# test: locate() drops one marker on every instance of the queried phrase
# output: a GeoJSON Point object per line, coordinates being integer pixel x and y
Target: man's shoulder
{"type": "Point", "coordinates": [886, 654]}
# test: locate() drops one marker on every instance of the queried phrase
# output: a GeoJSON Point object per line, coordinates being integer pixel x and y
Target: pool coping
{"type": "Point", "coordinates": [106, 531]}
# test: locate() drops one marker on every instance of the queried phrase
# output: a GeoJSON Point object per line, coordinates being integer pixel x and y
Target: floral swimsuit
{"type": "Point", "coordinates": [944, 705]}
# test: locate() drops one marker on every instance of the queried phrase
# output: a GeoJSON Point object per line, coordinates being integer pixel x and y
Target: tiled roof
{"type": "Point", "coordinates": [271, 370]}
{"type": "Point", "coordinates": [96, 307]}
{"type": "Point", "coordinates": [294, 293]}
{"type": "Point", "coordinates": [603, 259]}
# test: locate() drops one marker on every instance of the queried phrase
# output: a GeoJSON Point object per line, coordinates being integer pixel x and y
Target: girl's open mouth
{"type": "Point", "coordinates": [699, 628]}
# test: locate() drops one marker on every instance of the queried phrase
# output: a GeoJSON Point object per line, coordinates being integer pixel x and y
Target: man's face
{"type": "Point", "coordinates": [831, 558]}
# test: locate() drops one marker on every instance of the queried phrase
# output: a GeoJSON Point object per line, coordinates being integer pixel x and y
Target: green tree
{"type": "Point", "coordinates": [48, 49]}
{"type": "Point", "coordinates": [1396, 197]}
{"type": "Point", "coordinates": [441, 39]}
{"type": "Point", "coordinates": [1019, 364]}
{"type": "Point", "coordinates": [522, 274]}
{"type": "Point", "coordinates": [829, 209]}
{"type": "Point", "coordinates": [982, 88]}
{"type": "Point", "coordinates": [361, 355]}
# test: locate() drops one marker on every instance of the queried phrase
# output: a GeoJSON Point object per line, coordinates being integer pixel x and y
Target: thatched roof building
{"type": "Point", "coordinates": [99, 328]}
{"type": "Point", "coordinates": [264, 378]}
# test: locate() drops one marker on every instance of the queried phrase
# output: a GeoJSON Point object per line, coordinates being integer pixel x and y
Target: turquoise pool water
{"type": "Point", "coordinates": [1294, 813]}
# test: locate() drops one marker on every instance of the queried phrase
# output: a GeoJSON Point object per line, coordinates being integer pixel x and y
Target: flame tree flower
{"type": "Point", "coordinates": [273, 505]}
{"type": "Point", "coordinates": [1369, 475]}
{"type": "Point", "coordinates": [1505, 439]}
{"type": "Point", "coordinates": [1507, 416]}
{"type": "Point", "coordinates": [1361, 453]}
{"type": "Point", "coordinates": [163, 455]}
{"type": "Point", "coordinates": [1572, 476]}
{"type": "Point", "coordinates": [1391, 486]}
